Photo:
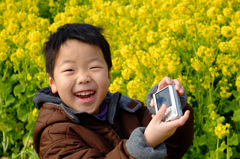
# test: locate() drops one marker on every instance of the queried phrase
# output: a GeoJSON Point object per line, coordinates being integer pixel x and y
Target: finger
{"type": "Point", "coordinates": [179, 88]}
{"type": "Point", "coordinates": [177, 84]}
{"type": "Point", "coordinates": [179, 122]}
{"type": "Point", "coordinates": [160, 113]}
{"type": "Point", "coordinates": [164, 82]}
{"type": "Point", "coordinates": [152, 103]}
{"type": "Point", "coordinates": [184, 118]}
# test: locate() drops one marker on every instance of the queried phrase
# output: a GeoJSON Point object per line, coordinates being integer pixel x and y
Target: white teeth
{"type": "Point", "coordinates": [84, 93]}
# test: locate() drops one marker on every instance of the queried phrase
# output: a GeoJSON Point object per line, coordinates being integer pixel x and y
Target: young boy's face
{"type": "Point", "coordinates": [81, 76]}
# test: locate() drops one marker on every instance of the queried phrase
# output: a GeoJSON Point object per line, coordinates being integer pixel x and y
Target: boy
{"type": "Point", "coordinates": [79, 118]}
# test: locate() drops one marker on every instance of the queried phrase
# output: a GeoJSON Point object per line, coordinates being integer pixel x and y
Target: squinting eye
{"type": "Point", "coordinates": [94, 67]}
{"type": "Point", "coordinates": [68, 70]}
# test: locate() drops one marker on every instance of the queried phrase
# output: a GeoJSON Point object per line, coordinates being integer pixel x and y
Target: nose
{"type": "Point", "coordinates": [83, 78]}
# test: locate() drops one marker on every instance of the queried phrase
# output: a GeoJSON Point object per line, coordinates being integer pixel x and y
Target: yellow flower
{"type": "Point", "coordinates": [51, 3]}
{"type": "Point", "coordinates": [155, 3]}
{"type": "Point", "coordinates": [133, 13]}
{"type": "Point", "coordinates": [20, 53]}
{"type": "Point", "coordinates": [212, 12]}
{"type": "Point", "coordinates": [192, 88]}
{"type": "Point", "coordinates": [238, 82]}
{"type": "Point", "coordinates": [224, 46]}
{"type": "Point", "coordinates": [3, 56]}
{"type": "Point", "coordinates": [13, 58]}
{"type": "Point", "coordinates": [34, 112]}
{"type": "Point", "coordinates": [29, 77]}
{"type": "Point", "coordinates": [224, 92]}
{"type": "Point", "coordinates": [165, 42]}
{"type": "Point", "coordinates": [12, 27]}
{"type": "Point", "coordinates": [73, 2]}
{"type": "Point", "coordinates": [126, 73]}
{"type": "Point", "coordinates": [177, 26]}
{"type": "Point", "coordinates": [151, 38]}
{"type": "Point", "coordinates": [213, 115]}
{"type": "Point", "coordinates": [222, 130]}
{"type": "Point", "coordinates": [116, 85]}
{"type": "Point", "coordinates": [126, 51]}
{"type": "Point", "coordinates": [234, 44]}
{"type": "Point", "coordinates": [227, 31]}
{"type": "Point", "coordinates": [227, 12]}
{"type": "Point", "coordinates": [142, 12]}
{"type": "Point", "coordinates": [238, 31]}
{"type": "Point", "coordinates": [190, 24]}
{"type": "Point", "coordinates": [196, 64]}
{"type": "Point", "coordinates": [74, 11]}
{"type": "Point", "coordinates": [221, 19]}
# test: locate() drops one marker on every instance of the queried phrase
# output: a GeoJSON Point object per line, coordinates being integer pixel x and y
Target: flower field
{"type": "Point", "coordinates": [195, 41]}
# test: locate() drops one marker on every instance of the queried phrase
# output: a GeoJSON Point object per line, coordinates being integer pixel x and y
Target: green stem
{"type": "Point", "coordinates": [217, 148]}
{"type": "Point", "coordinates": [228, 157]}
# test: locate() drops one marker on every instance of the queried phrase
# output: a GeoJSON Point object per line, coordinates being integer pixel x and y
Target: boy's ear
{"type": "Point", "coordinates": [109, 77]}
{"type": "Point", "coordinates": [52, 84]}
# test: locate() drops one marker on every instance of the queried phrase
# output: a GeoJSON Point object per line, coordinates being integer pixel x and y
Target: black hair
{"type": "Point", "coordinates": [83, 32]}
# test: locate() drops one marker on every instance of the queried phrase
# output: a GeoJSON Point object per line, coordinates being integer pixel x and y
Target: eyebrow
{"type": "Point", "coordinates": [95, 59]}
{"type": "Point", "coordinates": [90, 60]}
{"type": "Point", "coordinates": [67, 61]}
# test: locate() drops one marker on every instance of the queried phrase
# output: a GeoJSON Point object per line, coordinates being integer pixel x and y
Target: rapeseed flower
{"type": "Point", "coordinates": [213, 115]}
{"type": "Point", "coordinates": [222, 130]}
{"type": "Point", "coordinates": [237, 83]}
{"type": "Point", "coordinates": [221, 19]}
{"type": "Point", "coordinates": [227, 31]}
{"type": "Point", "coordinates": [213, 12]}
{"type": "Point", "coordinates": [196, 64]}
{"type": "Point", "coordinates": [29, 77]}
{"type": "Point", "coordinates": [34, 112]}
{"type": "Point", "coordinates": [3, 56]}
{"type": "Point", "coordinates": [227, 12]}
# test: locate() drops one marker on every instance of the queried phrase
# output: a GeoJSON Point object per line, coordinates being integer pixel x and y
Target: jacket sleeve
{"type": "Point", "coordinates": [139, 149]}
{"type": "Point", "coordinates": [68, 144]}
{"type": "Point", "coordinates": [61, 144]}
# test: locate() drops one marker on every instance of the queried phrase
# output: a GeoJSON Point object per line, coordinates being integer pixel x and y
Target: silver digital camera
{"type": "Point", "coordinates": [168, 95]}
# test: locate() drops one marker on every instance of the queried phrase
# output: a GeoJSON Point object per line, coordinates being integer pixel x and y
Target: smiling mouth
{"type": "Point", "coordinates": [85, 95]}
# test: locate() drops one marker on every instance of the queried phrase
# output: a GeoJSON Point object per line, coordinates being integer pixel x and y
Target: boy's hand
{"type": "Point", "coordinates": [167, 81]}
{"type": "Point", "coordinates": [158, 131]}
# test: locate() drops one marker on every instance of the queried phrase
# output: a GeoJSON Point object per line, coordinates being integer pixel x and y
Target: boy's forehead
{"type": "Point", "coordinates": [74, 44]}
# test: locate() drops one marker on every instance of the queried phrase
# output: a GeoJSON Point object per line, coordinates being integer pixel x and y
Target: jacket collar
{"type": "Point", "coordinates": [115, 102]}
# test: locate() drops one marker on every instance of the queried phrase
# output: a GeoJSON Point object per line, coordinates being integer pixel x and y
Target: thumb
{"type": "Point", "coordinates": [160, 113]}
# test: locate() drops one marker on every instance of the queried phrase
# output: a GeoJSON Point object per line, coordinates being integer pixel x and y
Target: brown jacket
{"type": "Point", "coordinates": [62, 133]}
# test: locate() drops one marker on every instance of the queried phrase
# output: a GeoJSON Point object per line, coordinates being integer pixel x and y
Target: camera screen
{"type": "Point", "coordinates": [163, 97]}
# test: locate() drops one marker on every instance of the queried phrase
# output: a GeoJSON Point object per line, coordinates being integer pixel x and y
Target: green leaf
{"type": "Point", "coordinates": [230, 106]}
{"type": "Point", "coordinates": [202, 140]}
{"type": "Point", "coordinates": [15, 78]}
{"type": "Point", "coordinates": [235, 93]}
{"type": "Point", "coordinates": [222, 147]}
{"type": "Point", "coordinates": [22, 113]}
{"type": "Point", "coordinates": [29, 93]}
{"type": "Point", "coordinates": [19, 89]}
{"type": "Point", "coordinates": [10, 99]}
{"type": "Point", "coordinates": [236, 115]}
{"type": "Point", "coordinates": [5, 127]}
{"type": "Point", "coordinates": [6, 87]}
{"type": "Point", "coordinates": [233, 140]}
